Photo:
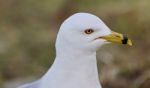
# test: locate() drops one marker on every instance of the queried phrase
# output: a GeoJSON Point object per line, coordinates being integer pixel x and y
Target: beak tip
{"type": "Point", "coordinates": [130, 43]}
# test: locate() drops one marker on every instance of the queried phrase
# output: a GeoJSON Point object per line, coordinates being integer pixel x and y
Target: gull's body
{"type": "Point", "coordinates": [75, 65]}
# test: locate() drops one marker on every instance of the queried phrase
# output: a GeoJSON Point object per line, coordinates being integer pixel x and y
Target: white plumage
{"type": "Point", "coordinates": [75, 64]}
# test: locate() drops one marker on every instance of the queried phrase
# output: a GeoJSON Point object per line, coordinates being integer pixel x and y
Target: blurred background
{"type": "Point", "coordinates": [28, 30]}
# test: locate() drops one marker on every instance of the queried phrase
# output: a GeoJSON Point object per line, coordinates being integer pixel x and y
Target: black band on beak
{"type": "Point", "coordinates": [125, 39]}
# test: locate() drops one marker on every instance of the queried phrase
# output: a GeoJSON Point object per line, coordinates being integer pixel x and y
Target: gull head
{"type": "Point", "coordinates": [84, 31]}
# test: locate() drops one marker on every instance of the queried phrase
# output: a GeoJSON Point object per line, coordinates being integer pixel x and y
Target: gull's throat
{"type": "Point", "coordinates": [78, 71]}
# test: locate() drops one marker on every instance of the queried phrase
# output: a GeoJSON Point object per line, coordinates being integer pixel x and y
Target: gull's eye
{"type": "Point", "coordinates": [89, 31]}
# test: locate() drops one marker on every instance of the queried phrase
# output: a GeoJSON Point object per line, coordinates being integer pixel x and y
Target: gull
{"type": "Point", "coordinates": [75, 65]}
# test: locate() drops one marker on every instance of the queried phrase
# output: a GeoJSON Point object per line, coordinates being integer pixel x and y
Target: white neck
{"type": "Point", "coordinates": [72, 68]}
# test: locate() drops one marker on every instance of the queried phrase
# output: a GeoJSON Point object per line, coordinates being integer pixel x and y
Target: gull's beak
{"type": "Point", "coordinates": [117, 38]}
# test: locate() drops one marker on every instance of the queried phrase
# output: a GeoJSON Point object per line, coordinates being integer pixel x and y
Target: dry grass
{"type": "Point", "coordinates": [28, 30]}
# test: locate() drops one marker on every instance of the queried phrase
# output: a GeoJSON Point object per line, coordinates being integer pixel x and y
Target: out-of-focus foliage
{"type": "Point", "coordinates": [28, 31]}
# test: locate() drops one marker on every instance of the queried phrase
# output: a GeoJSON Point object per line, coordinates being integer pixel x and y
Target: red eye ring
{"type": "Point", "coordinates": [89, 31]}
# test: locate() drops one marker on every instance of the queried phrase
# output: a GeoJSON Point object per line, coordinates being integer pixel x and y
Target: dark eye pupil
{"type": "Point", "coordinates": [89, 31]}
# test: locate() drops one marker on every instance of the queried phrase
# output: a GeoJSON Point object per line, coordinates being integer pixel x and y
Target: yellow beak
{"type": "Point", "coordinates": [118, 38]}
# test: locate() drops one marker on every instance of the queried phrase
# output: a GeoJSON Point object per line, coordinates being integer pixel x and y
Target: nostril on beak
{"type": "Point", "coordinates": [117, 36]}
